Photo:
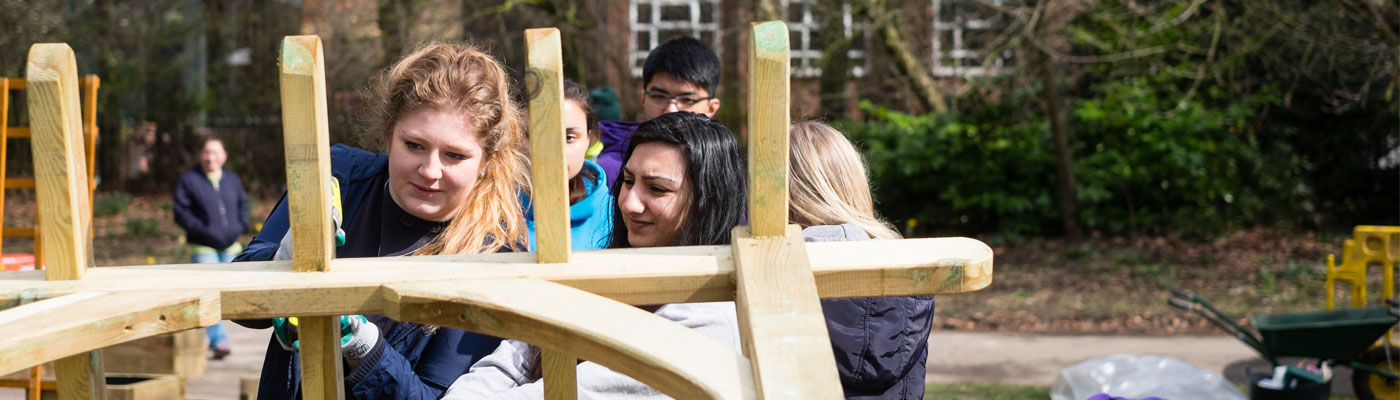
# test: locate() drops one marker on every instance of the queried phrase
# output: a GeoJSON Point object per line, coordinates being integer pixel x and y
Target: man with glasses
{"type": "Point", "coordinates": [679, 75]}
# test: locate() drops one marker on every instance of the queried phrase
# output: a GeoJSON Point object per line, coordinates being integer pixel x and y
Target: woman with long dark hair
{"type": "Point", "coordinates": [682, 184]}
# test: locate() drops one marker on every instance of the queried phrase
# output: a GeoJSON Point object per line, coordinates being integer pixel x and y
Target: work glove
{"type": "Point", "coordinates": [284, 248]}
{"type": "Point", "coordinates": [357, 335]}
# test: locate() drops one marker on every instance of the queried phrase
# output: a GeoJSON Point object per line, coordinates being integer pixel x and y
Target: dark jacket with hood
{"type": "Point", "coordinates": [211, 216]}
{"type": "Point", "coordinates": [881, 343]}
{"type": "Point", "coordinates": [409, 361]}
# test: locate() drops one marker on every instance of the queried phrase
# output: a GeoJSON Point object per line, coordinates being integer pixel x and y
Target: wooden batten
{"type": "Point", "coordinates": [306, 137]}
{"type": "Point", "coordinates": [54, 115]}
{"type": "Point", "coordinates": [549, 171]}
{"type": "Point", "coordinates": [73, 325]}
{"type": "Point", "coordinates": [781, 325]}
{"type": "Point", "coordinates": [671, 358]}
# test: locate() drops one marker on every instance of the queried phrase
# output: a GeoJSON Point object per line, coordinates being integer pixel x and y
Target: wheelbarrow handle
{"type": "Point", "coordinates": [1183, 294]}
{"type": "Point", "coordinates": [1182, 304]}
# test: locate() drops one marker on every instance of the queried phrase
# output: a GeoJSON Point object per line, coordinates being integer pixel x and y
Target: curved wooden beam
{"type": "Point", "coordinates": [867, 268]}
{"type": "Point", "coordinates": [51, 329]}
{"type": "Point", "coordinates": [671, 358]}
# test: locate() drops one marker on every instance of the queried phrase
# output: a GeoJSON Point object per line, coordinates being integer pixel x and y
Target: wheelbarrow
{"type": "Point", "coordinates": [1338, 337]}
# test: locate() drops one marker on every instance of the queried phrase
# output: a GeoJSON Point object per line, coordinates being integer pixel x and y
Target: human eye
{"type": "Point", "coordinates": [658, 97]}
{"type": "Point", "coordinates": [411, 145]}
{"type": "Point", "coordinates": [570, 136]}
{"type": "Point", "coordinates": [458, 156]}
{"type": "Point", "coordinates": [687, 101]}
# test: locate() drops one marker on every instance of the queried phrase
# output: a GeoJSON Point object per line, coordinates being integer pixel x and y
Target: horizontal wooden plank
{"type": "Point", "coordinates": [28, 183]}
{"type": "Point", "coordinates": [17, 83]}
{"type": "Point", "coordinates": [19, 183]}
{"type": "Point", "coordinates": [74, 324]}
{"type": "Point", "coordinates": [14, 231]}
{"type": "Point", "coordinates": [17, 132]}
{"type": "Point", "coordinates": [669, 357]}
{"type": "Point", "coordinates": [633, 276]}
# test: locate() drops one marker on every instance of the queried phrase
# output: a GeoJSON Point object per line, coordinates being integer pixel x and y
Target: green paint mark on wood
{"type": "Point", "coordinates": [954, 281]}
{"type": "Point", "coordinates": [771, 36]}
{"type": "Point", "coordinates": [297, 59]}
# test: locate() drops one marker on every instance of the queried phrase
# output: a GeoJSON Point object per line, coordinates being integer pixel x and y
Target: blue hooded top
{"type": "Point", "coordinates": [590, 219]}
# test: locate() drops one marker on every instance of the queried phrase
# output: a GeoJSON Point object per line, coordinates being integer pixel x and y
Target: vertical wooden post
{"type": "Point", "coordinates": [307, 141]}
{"type": "Point", "coordinates": [768, 128]}
{"type": "Point", "coordinates": [781, 325]}
{"type": "Point", "coordinates": [4, 138]}
{"type": "Point", "coordinates": [545, 79]}
{"type": "Point", "coordinates": [89, 86]}
{"type": "Point", "coordinates": [56, 139]}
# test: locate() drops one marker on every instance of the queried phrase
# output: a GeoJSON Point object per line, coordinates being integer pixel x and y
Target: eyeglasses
{"type": "Point", "coordinates": [661, 100]}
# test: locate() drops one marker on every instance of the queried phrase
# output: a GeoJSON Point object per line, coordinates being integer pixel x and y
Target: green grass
{"type": "Point", "coordinates": [984, 391]}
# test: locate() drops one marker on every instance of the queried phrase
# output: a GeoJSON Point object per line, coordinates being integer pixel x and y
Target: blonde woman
{"type": "Point", "coordinates": [444, 180]}
{"type": "Point", "coordinates": [881, 343]}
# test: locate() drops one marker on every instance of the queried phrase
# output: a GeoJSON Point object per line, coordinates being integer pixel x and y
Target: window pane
{"type": "Point", "coordinates": [644, 13]}
{"type": "Point", "coordinates": [675, 13]}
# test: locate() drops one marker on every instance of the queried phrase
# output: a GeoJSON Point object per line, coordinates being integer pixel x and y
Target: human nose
{"type": "Point", "coordinates": [431, 168]}
{"type": "Point", "coordinates": [672, 105]}
{"type": "Point", "coordinates": [629, 203]}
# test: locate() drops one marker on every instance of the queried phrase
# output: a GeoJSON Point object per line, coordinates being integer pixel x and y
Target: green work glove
{"type": "Point", "coordinates": [357, 335]}
{"type": "Point", "coordinates": [284, 248]}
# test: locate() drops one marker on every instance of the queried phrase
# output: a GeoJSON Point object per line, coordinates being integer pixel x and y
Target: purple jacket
{"type": "Point", "coordinates": [616, 136]}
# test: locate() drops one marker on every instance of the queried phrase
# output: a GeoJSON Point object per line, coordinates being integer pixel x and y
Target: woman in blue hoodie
{"type": "Point", "coordinates": [590, 218]}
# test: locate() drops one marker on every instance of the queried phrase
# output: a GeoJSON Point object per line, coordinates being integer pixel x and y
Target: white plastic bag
{"type": "Point", "coordinates": [1138, 376]}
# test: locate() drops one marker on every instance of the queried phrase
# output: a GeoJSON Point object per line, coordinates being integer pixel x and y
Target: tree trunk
{"type": "Point", "coordinates": [1064, 165]}
{"type": "Point", "coordinates": [835, 61]}
{"type": "Point", "coordinates": [913, 71]}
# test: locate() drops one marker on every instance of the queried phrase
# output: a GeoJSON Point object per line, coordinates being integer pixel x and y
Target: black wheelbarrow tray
{"type": "Point", "coordinates": [1338, 336]}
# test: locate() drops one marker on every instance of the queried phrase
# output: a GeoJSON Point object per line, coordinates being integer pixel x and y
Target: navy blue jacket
{"type": "Point", "coordinates": [880, 343]}
{"type": "Point", "coordinates": [211, 217]}
{"type": "Point", "coordinates": [409, 361]}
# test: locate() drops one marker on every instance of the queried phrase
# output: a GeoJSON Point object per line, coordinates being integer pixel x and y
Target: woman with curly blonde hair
{"type": "Point", "coordinates": [444, 179]}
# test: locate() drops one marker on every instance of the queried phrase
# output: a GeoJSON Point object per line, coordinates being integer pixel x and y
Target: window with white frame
{"type": "Point", "coordinates": [656, 21]}
{"type": "Point", "coordinates": [963, 32]}
{"type": "Point", "coordinates": [806, 49]}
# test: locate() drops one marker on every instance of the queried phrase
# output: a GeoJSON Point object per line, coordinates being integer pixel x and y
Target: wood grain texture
{"type": "Point", "coordinates": [78, 323]}
{"type": "Point", "coordinates": [306, 137]}
{"type": "Point", "coordinates": [59, 164]}
{"type": "Point", "coordinates": [321, 370]}
{"type": "Point", "coordinates": [671, 358]}
{"type": "Point", "coordinates": [769, 63]}
{"type": "Point", "coordinates": [634, 276]}
{"type": "Point", "coordinates": [4, 139]}
{"type": "Point", "coordinates": [781, 324]}
{"type": "Point", "coordinates": [35, 387]}
{"type": "Point", "coordinates": [80, 377]}
{"type": "Point", "coordinates": [560, 374]}
{"type": "Point", "coordinates": [549, 171]}
{"type": "Point", "coordinates": [89, 85]}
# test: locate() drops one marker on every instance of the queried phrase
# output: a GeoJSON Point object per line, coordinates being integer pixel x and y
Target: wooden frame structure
{"type": "Point", "coordinates": [572, 305]}
{"type": "Point", "coordinates": [88, 84]}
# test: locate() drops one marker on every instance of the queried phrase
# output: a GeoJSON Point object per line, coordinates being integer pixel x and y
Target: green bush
{"type": "Point", "coordinates": [1144, 161]}
{"type": "Point", "coordinates": [110, 204]}
{"type": "Point", "coordinates": [141, 227]}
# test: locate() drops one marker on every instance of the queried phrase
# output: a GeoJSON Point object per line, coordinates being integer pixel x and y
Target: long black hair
{"type": "Point", "coordinates": [713, 169]}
